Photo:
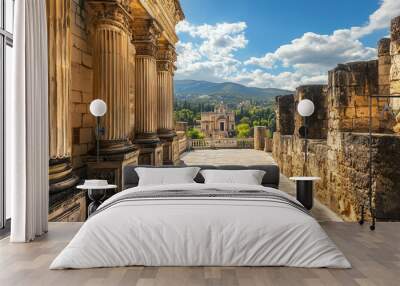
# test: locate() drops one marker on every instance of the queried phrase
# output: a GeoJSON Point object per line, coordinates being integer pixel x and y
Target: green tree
{"type": "Point", "coordinates": [245, 120]}
{"type": "Point", "coordinates": [243, 130]}
{"type": "Point", "coordinates": [195, 133]}
{"type": "Point", "coordinates": [185, 115]}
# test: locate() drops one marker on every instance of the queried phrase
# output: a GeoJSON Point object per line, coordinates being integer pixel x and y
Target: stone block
{"type": "Point", "coordinates": [88, 120]}
{"type": "Point", "coordinates": [76, 55]}
{"type": "Point", "coordinates": [87, 97]}
{"type": "Point", "coordinates": [78, 150]}
{"type": "Point", "coordinates": [76, 119]}
{"type": "Point", "coordinates": [79, 108]}
{"type": "Point", "coordinates": [76, 96]}
{"type": "Point", "coordinates": [80, 43]}
{"type": "Point", "coordinates": [86, 135]}
{"type": "Point", "coordinates": [87, 60]}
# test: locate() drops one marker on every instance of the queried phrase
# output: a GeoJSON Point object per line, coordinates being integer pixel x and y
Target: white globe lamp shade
{"type": "Point", "coordinates": [305, 107]}
{"type": "Point", "coordinates": [98, 107]}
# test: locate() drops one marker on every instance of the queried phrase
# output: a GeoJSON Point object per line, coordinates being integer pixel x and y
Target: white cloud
{"type": "Point", "coordinates": [211, 54]}
{"type": "Point", "coordinates": [313, 51]}
{"type": "Point", "coordinates": [211, 58]}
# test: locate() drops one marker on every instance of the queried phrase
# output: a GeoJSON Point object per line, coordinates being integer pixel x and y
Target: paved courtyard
{"type": "Point", "coordinates": [253, 157]}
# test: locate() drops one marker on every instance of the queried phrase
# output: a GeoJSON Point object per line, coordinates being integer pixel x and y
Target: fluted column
{"type": "Point", "coordinates": [165, 91]}
{"type": "Point", "coordinates": [111, 53]}
{"type": "Point", "coordinates": [145, 40]}
{"type": "Point", "coordinates": [395, 68]}
{"type": "Point", "coordinates": [132, 57]}
{"type": "Point", "coordinates": [60, 139]}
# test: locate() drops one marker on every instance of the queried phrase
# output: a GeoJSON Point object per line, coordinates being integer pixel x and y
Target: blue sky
{"type": "Point", "coordinates": [281, 43]}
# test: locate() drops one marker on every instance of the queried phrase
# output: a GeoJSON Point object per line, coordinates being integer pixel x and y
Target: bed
{"type": "Point", "coordinates": [197, 224]}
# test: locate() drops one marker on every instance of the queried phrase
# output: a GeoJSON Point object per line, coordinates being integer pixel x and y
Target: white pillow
{"type": "Point", "coordinates": [247, 177]}
{"type": "Point", "coordinates": [166, 176]}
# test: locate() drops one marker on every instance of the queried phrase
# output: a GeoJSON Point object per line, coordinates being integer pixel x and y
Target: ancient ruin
{"type": "Point", "coordinates": [123, 52]}
{"type": "Point", "coordinates": [338, 132]}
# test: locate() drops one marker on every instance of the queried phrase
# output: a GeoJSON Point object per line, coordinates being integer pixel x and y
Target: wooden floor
{"type": "Point", "coordinates": [375, 257]}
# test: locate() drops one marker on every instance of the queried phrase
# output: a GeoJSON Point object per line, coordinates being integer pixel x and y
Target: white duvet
{"type": "Point", "coordinates": [202, 232]}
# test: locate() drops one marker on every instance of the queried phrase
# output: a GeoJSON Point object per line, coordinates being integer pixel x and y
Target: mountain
{"type": "Point", "coordinates": [228, 92]}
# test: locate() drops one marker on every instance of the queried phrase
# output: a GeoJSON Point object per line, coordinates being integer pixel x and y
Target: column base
{"type": "Point", "coordinates": [170, 149]}
{"type": "Point", "coordinates": [61, 177]}
{"type": "Point", "coordinates": [151, 154]}
{"type": "Point", "coordinates": [147, 138]}
{"type": "Point", "coordinates": [110, 167]}
{"type": "Point", "coordinates": [114, 147]}
{"type": "Point", "coordinates": [166, 133]}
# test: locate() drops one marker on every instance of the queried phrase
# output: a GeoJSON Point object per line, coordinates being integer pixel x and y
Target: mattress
{"type": "Point", "coordinates": [201, 225]}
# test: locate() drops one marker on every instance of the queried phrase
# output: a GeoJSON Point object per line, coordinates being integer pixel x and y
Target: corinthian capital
{"type": "Point", "coordinates": [166, 56]}
{"type": "Point", "coordinates": [146, 35]}
{"type": "Point", "coordinates": [166, 52]}
{"type": "Point", "coordinates": [113, 12]}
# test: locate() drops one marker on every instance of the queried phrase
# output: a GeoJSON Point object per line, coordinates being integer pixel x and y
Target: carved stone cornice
{"type": "Point", "coordinates": [145, 38]}
{"type": "Point", "coordinates": [115, 12]}
{"type": "Point", "coordinates": [174, 9]}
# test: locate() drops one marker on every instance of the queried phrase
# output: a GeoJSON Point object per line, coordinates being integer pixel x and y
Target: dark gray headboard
{"type": "Point", "coordinates": [271, 177]}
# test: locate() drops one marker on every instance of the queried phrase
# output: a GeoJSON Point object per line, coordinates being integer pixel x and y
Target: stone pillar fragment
{"type": "Point", "coordinates": [260, 133]}
{"type": "Point", "coordinates": [384, 60]}
{"type": "Point", "coordinates": [60, 139]}
{"type": "Point", "coordinates": [349, 88]}
{"type": "Point", "coordinates": [317, 123]}
{"type": "Point", "coordinates": [395, 68]}
{"type": "Point", "coordinates": [384, 66]}
{"type": "Point", "coordinates": [285, 114]}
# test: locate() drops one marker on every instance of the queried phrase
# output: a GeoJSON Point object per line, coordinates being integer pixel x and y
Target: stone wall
{"type": "Point", "coordinates": [82, 86]}
{"type": "Point", "coordinates": [344, 171]}
{"type": "Point", "coordinates": [338, 151]}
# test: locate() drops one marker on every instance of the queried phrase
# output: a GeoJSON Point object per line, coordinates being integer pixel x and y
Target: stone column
{"type": "Point", "coordinates": [146, 37]}
{"type": "Point", "coordinates": [145, 40]}
{"type": "Point", "coordinates": [59, 45]}
{"type": "Point", "coordinates": [165, 101]}
{"type": "Point", "coordinates": [395, 68]}
{"type": "Point", "coordinates": [112, 82]}
{"type": "Point", "coordinates": [165, 90]}
{"type": "Point", "coordinates": [111, 44]}
{"type": "Point", "coordinates": [132, 56]}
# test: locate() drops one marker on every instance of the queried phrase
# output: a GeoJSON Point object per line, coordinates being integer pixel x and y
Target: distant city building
{"type": "Point", "coordinates": [218, 124]}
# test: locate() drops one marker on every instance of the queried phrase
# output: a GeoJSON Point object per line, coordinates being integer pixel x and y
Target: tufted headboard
{"type": "Point", "coordinates": [270, 179]}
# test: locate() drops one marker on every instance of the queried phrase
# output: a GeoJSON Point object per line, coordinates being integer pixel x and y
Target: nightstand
{"type": "Point", "coordinates": [304, 190]}
{"type": "Point", "coordinates": [96, 194]}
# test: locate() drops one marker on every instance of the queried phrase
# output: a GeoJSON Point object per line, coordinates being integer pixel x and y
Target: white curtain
{"type": "Point", "coordinates": [27, 124]}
